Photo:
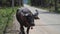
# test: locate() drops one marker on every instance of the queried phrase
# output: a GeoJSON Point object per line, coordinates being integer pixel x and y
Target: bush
{"type": "Point", "coordinates": [6, 17]}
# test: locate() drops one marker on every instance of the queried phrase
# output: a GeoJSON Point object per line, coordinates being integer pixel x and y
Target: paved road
{"type": "Point", "coordinates": [49, 23]}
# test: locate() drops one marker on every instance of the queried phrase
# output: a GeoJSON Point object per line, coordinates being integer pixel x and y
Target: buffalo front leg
{"type": "Point", "coordinates": [28, 30]}
{"type": "Point", "coordinates": [22, 30]}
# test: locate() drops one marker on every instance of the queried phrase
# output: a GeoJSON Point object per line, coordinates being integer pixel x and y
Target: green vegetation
{"type": "Point", "coordinates": [29, 2]}
{"type": "Point", "coordinates": [51, 5]}
{"type": "Point", "coordinates": [7, 12]}
{"type": "Point", "coordinates": [6, 17]}
{"type": "Point", "coordinates": [8, 3]}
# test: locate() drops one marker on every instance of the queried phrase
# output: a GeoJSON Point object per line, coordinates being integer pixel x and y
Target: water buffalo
{"type": "Point", "coordinates": [26, 18]}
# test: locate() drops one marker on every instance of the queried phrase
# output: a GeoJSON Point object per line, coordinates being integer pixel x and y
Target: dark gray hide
{"type": "Point", "coordinates": [25, 17]}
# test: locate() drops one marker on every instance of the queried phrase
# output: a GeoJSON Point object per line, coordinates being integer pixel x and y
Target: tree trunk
{"type": "Point", "coordinates": [56, 8]}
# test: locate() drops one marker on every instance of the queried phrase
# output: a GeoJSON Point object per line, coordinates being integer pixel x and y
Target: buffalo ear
{"type": "Point", "coordinates": [36, 17]}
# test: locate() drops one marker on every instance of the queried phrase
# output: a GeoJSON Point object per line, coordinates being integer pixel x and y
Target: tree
{"type": "Point", "coordinates": [56, 8]}
{"type": "Point", "coordinates": [8, 3]}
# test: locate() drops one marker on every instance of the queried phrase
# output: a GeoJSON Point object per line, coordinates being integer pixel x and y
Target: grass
{"type": "Point", "coordinates": [6, 16]}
